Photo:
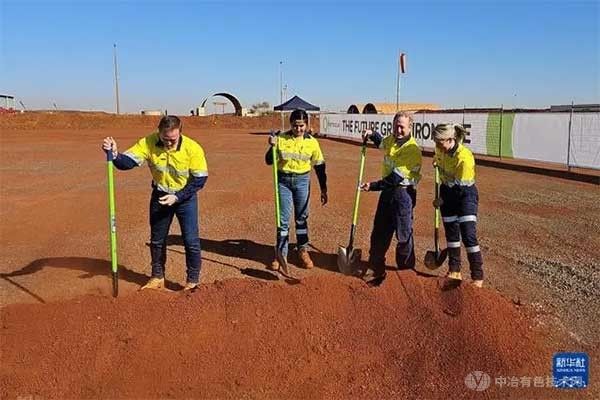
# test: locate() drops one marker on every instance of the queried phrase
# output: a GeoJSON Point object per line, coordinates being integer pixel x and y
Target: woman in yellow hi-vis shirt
{"type": "Point", "coordinates": [298, 152]}
{"type": "Point", "coordinates": [459, 199]}
{"type": "Point", "coordinates": [179, 170]}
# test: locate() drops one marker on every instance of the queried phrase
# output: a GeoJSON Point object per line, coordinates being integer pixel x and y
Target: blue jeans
{"type": "Point", "coordinates": [294, 190]}
{"type": "Point", "coordinates": [160, 222]}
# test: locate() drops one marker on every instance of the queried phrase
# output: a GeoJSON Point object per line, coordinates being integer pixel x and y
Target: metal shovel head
{"type": "Point", "coordinates": [434, 261]}
{"type": "Point", "coordinates": [283, 265]}
{"type": "Point", "coordinates": [348, 260]}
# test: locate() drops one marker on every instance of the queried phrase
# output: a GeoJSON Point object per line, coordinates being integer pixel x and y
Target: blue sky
{"type": "Point", "coordinates": [173, 54]}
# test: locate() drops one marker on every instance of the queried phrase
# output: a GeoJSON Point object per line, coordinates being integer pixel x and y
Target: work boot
{"type": "Point", "coordinates": [305, 260]}
{"type": "Point", "coordinates": [478, 283]}
{"type": "Point", "coordinates": [454, 276]}
{"type": "Point", "coordinates": [274, 265]}
{"type": "Point", "coordinates": [190, 286]}
{"type": "Point", "coordinates": [154, 283]}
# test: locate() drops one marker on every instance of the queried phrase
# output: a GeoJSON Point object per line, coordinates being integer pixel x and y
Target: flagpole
{"type": "Point", "coordinates": [398, 84]}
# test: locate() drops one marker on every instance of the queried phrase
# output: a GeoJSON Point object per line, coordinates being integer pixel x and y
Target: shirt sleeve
{"type": "Point", "coordinates": [198, 165]}
{"type": "Point", "coordinates": [465, 170]}
{"type": "Point", "coordinates": [317, 157]}
{"type": "Point", "coordinates": [124, 163]}
{"type": "Point", "coordinates": [139, 152]}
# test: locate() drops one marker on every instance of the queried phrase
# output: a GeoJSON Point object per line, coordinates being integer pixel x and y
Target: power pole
{"type": "Point", "coordinates": [281, 91]}
{"type": "Point", "coordinates": [116, 78]}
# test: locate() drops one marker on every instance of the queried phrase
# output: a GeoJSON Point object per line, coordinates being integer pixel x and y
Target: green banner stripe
{"type": "Point", "coordinates": [497, 142]}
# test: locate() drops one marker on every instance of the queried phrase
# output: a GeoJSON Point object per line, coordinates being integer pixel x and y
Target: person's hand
{"type": "Point", "coordinates": [364, 186]}
{"type": "Point", "coordinates": [273, 138]}
{"type": "Point", "coordinates": [324, 198]}
{"type": "Point", "coordinates": [109, 144]}
{"type": "Point", "coordinates": [167, 200]}
{"type": "Point", "coordinates": [437, 203]}
{"type": "Point", "coordinates": [366, 135]}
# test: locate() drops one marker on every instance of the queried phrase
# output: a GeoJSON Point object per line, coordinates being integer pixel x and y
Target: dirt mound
{"type": "Point", "coordinates": [99, 120]}
{"type": "Point", "coordinates": [326, 337]}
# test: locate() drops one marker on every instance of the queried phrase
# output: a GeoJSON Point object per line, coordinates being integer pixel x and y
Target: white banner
{"type": "Point", "coordinates": [531, 136]}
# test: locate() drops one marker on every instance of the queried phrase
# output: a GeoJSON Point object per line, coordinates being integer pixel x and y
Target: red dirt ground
{"type": "Point", "coordinates": [245, 333]}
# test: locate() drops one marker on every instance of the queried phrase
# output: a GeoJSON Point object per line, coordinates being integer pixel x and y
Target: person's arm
{"type": "Point", "coordinates": [465, 174]}
{"type": "Point", "coordinates": [192, 186]}
{"type": "Point", "coordinates": [198, 175]}
{"type": "Point", "coordinates": [123, 162]}
{"type": "Point", "coordinates": [376, 138]}
{"type": "Point", "coordinates": [318, 161]}
{"type": "Point", "coordinates": [269, 156]}
{"type": "Point", "coordinates": [134, 156]}
{"type": "Point", "coordinates": [321, 176]}
{"type": "Point", "coordinates": [392, 180]}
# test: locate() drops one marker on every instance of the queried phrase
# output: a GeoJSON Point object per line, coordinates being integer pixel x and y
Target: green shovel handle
{"type": "Point", "coordinates": [274, 150]}
{"type": "Point", "coordinates": [112, 220]}
{"type": "Point", "coordinates": [363, 154]}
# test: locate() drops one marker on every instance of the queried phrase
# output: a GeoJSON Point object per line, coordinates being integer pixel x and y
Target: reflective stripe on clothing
{"type": "Point", "coordinates": [297, 154]}
{"type": "Point", "coordinates": [403, 159]}
{"type": "Point", "coordinates": [453, 245]}
{"type": "Point", "coordinates": [294, 156]}
{"type": "Point", "coordinates": [138, 161]}
{"type": "Point", "coordinates": [450, 219]}
{"type": "Point", "coordinates": [473, 249]}
{"type": "Point", "coordinates": [457, 167]}
{"type": "Point", "coordinates": [170, 169]}
{"type": "Point", "coordinates": [467, 218]}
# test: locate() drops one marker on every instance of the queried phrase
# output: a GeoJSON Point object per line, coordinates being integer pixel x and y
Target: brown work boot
{"type": "Point", "coordinates": [154, 283]}
{"type": "Point", "coordinates": [452, 280]}
{"type": "Point", "coordinates": [305, 260]}
{"type": "Point", "coordinates": [190, 286]}
{"type": "Point", "coordinates": [274, 265]}
{"type": "Point", "coordinates": [478, 283]}
{"type": "Point", "coordinates": [454, 276]}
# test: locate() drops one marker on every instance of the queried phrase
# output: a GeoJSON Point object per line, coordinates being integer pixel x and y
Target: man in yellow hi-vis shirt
{"type": "Point", "coordinates": [179, 170]}
{"type": "Point", "coordinates": [401, 173]}
{"type": "Point", "coordinates": [298, 152]}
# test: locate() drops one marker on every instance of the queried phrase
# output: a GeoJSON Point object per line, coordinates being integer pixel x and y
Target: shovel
{"type": "Point", "coordinates": [112, 223]}
{"type": "Point", "coordinates": [434, 259]}
{"type": "Point", "coordinates": [283, 265]}
{"type": "Point", "coordinates": [349, 256]}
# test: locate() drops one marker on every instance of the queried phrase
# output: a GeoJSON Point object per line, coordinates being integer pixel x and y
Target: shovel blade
{"type": "Point", "coordinates": [430, 260]}
{"type": "Point", "coordinates": [283, 264]}
{"type": "Point", "coordinates": [434, 260]}
{"type": "Point", "coordinates": [348, 260]}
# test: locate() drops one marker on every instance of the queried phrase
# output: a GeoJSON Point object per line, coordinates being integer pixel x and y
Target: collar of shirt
{"type": "Point", "coordinates": [452, 151]}
{"type": "Point", "coordinates": [159, 143]}
{"type": "Point", "coordinates": [401, 141]}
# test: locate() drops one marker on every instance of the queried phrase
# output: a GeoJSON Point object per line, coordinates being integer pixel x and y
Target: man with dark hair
{"type": "Point", "coordinates": [179, 170]}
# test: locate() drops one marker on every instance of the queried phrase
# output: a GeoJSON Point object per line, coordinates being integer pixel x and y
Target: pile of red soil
{"type": "Point", "coordinates": [325, 337]}
{"type": "Point", "coordinates": [100, 120]}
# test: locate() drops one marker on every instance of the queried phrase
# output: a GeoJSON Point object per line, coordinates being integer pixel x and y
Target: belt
{"type": "Point", "coordinates": [292, 173]}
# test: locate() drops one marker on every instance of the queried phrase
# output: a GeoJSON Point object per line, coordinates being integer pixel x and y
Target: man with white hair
{"type": "Point", "coordinates": [401, 173]}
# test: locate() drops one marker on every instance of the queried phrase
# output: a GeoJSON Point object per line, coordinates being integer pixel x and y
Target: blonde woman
{"type": "Point", "coordinates": [458, 199]}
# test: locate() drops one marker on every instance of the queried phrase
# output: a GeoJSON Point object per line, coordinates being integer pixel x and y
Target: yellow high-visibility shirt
{"type": "Point", "coordinates": [456, 168]}
{"type": "Point", "coordinates": [298, 154]}
{"type": "Point", "coordinates": [404, 160]}
{"type": "Point", "coordinates": [170, 169]}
